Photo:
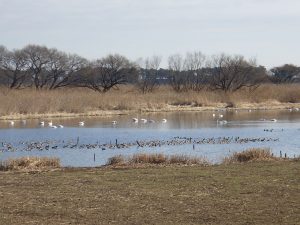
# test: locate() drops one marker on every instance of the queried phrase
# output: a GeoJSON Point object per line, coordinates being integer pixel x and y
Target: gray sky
{"type": "Point", "coordinates": [266, 29]}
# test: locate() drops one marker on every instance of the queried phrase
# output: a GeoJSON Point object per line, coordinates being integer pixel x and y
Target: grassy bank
{"type": "Point", "coordinates": [30, 103]}
{"type": "Point", "coordinates": [251, 193]}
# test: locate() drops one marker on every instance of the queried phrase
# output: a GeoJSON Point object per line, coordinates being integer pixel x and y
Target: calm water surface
{"type": "Point", "coordinates": [77, 146]}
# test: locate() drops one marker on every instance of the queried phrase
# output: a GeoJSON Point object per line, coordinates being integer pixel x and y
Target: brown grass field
{"type": "Point", "coordinates": [29, 103]}
{"type": "Point", "coordinates": [251, 187]}
{"type": "Point", "coordinates": [247, 193]}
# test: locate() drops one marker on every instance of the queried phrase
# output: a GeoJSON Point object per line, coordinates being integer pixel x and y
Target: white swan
{"type": "Point", "coordinates": [221, 116]}
{"type": "Point", "coordinates": [114, 122]}
{"type": "Point", "coordinates": [54, 127]}
{"type": "Point", "coordinates": [135, 120]}
{"type": "Point", "coordinates": [164, 120]}
{"type": "Point", "coordinates": [273, 120]}
{"type": "Point", "coordinates": [11, 123]}
{"type": "Point", "coordinates": [143, 120]}
{"type": "Point", "coordinates": [50, 123]}
{"type": "Point", "coordinates": [214, 115]}
{"type": "Point", "coordinates": [222, 122]}
{"type": "Point", "coordinates": [42, 123]}
{"type": "Point", "coordinates": [81, 123]}
{"type": "Point", "coordinates": [60, 126]}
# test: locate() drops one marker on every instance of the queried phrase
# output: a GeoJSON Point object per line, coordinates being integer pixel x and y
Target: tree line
{"type": "Point", "coordinates": [48, 68]}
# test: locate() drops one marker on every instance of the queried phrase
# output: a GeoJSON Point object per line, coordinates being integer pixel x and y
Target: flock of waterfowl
{"type": "Point", "coordinates": [176, 141]}
{"type": "Point", "coordinates": [50, 124]}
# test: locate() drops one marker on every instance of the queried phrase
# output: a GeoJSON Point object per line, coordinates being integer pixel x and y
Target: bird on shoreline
{"type": "Point", "coordinates": [12, 123]}
{"type": "Point", "coordinates": [81, 123]}
{"type": "Point", "coordinates": [50, 123]}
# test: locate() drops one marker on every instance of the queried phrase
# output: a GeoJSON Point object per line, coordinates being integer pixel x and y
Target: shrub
{"type": "Point", "coordinates": [254, 154]}
{"type": "Point", "coordinates": [30, 163]}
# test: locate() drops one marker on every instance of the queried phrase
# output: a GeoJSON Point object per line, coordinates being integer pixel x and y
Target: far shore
{"type": "Point", "coordinates": [270, 105]}
{"type": "Point", "coordinates": [70, 103]}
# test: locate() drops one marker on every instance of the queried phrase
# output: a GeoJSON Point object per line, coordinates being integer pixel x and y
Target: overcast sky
{"type": "Point", "coordinates": [266, 29]}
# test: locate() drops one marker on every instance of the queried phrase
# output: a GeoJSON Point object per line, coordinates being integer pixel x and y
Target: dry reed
{"type": "Point", "coordinates": [30, 163]}
{"type": "Point", "coordinates": [81, 101]}
{"type": "Point", "coordinates": [156, 159]}
{"type": "Point", "coordinates": [250, 155]}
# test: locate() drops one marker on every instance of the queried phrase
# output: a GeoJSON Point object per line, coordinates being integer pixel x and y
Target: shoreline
{"type": "Point", "coordinates": [166, 109]}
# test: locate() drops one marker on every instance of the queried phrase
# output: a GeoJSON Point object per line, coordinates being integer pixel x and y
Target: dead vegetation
{"type": "Point", "coordinates": [250, 155]}
{"type": "Point", "coordinates": [156, 159]}
{"type": "Point", "coordinates": [30, 163]}
{"type": "Point", "coordinates": [76, 101]}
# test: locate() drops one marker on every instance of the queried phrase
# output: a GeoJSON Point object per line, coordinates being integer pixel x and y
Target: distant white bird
{"type": "Point", "coordinates": [60, 126]}
{"type": "Point", "coordinates": [11, 123]}
{"type": "Point", "coordinates": [151, 121]}
{"type": "Point", "coordinates": [273, 120]}
{"type": "Point", "coordinates": [143, 120]}
{"type": "Point", "coordinates": [290, 110]}
{"type": "Point", "coordinates": [42, 123]}
{"type": "Point", "coordinates": [50, 123]}
{"type": "Point", "coordinates": [249, 110]}
{"type": "Point", "coordinates": [135, 120]}
{"type": "Point", "coordinates": [81, 123]}
{"type": "Point", "coordinates": [23, 122]}
{"type": "Point", "coordinates": [297, 109]}
{"type": "Point", "coordinates": [222, 122]}
{"type": "Point", "coordinates": [221, 116]}
{"type": "Point", "coordinates": [164, 120]}
{"type": "Point", "coordinates": [54, 127]}
{"type": "Point", "coordinates": [114, 122]}
{"type": "Point", "coordinates": [214, 115]}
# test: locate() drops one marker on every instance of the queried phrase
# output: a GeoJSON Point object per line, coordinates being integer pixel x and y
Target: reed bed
{"type": "Point", "coordinates": [250, 155]}
{"type": "Point", "coordinates": [30, 163]}
{"type": "Point", "coordinates": [156, 159]}
{"type": "Point", "coordinates": [83, 101]}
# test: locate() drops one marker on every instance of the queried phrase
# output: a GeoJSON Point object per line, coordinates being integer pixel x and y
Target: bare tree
{"type": "Point", "coordinates": [62, 67]}
{"type": "Point", "coordinates": [231, 73]}
{"type": "Point", "coordinates": [148, 79]}
{"type": "Point", "coordinates": [107, 73]}
{"type": "Point", "coordinates": [37, 59]}
{"type": "Point", "coordinates": [13, 66]}
{"type": "Point", "coordinates": [193, 65]}
{"type": "Point", "coordinates": [177, 73]}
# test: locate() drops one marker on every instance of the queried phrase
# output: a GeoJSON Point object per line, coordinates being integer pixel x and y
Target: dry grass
{"type": "Point", "coordinates": [237, 194]}
{"type": "Point", "coordinates": [116, 160]}
{"type": "Point", "coordinates": [155, 159]}
{"type": "Point", "coordinates": [76, 101]}
{"type": "Point", "coordinates": [30, 163]}
{"type": "Point", "coordinates": [250, 155]}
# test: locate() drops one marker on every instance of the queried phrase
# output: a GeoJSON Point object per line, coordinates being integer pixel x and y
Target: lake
{"type": "Point", "coordinates": [184, 133]}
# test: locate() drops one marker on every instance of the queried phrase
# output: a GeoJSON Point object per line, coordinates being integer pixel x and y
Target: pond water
{"type": "Point", "coordinates": [184, 133]}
